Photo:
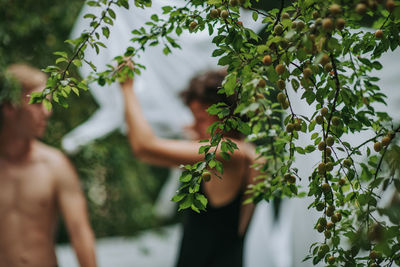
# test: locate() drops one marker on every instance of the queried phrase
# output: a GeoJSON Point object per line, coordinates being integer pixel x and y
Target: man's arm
{"type": "Point", "coordinates": [72, 205]}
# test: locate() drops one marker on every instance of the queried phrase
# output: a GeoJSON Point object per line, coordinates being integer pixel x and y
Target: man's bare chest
{"type": "Point", "coordinates": [27, 189]}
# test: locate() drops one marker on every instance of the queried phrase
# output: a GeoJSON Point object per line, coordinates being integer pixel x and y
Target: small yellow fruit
{"type": "Point", "coordinates": [390, 5]}
{"type": "Point", "coordinates": [334, 218]}
{"type": "Point", "coordinates": [320, 206]}
{"type": "Point", "coordinates": [331, 260]}
{"type": "Point", "coordinates": [331, 208]}
{"type": "Point", "coordinates": [233, 2]}
{"type": "Point", "coordinates": [281, 84]}
{"type": "Point", "coordinates": [330, 225]}
{"type": "Point", "coordinates": [342, 181]}
{"type": "Point", "coordinates": [329, 166]}
{"type": "Point", "coordinates": [328, 67]}
{"type": "Point", "coordinates": [285, 16]}
{"type": "Point", "coordinates": [285, 104]}
{"type": "Point", "coordinates": [192, 25]}
{"type": "Point", "coordinates": [340, 23]}
{"type": "Point", "coordinates": [379, 34]}
{"type": "Point", "coordinates": [297, 126]}
{"type": "Point", "coordinates": [328, 152]}
{"type": "Point", "coordinates": [224, 14]}
{"type": "Point", "coordinates": [335, 121]}
{"type": "Point", "coordinates": [307, 72]}
{"type": "Point", "coordinates": [325, 187]}
{"type": "Point", "coordinates": [324, 60]}
{"type": "Point", "coordinates": [328, 234]}
{"type": "Point", "coordinates": [373, 255]}
{"type": "Point", "coordinates": [322, 170]}
{"type": "Point", "coordinates": [261, 83]}
{"type": "Point", "coordinates": [386, 140]}
{"type": "Point", "coordinates": [347, 163]}
{"type": "Point", "coordinates": [320, 228]}
{"type": "Point", "coordinates": [206, 175]}
{"type": "Point", "coordinates": [324, 111]}
{"type": "Point", "coordinates": [280, 69]}
{"type": "Point", "coordinates": [335, 9]}
{"type": "Point", "coordinates": [281, 97]}
{"type": "Point", "coordinates": [214, 13]}
{"type": "Point", "coordinates": [330, 141]}
{"type": "Point", "coordinates": [327, 24]}
{"type": "Point", "coordinates": [300, 25]}
{"type": "Point", "coordinates": [319, 119]}
{"type": "Point", "coordinates": [315, 14]}
{"type": "Point", "coordinates": [267, 60]}
{"type": "Point", "coordinates": [290, 127]}
{"type": "Point", "coordinates": [321, 146]}
{"type": "Point", "coordinates": [378, 146]}
{"type": "Point", "coordinates": [278, 30]}
{"type": "Point", "coordinates": [361, 8]}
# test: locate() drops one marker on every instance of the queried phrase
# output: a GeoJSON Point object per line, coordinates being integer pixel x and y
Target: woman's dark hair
{"type": "Point", "coordinates": [204, 88]}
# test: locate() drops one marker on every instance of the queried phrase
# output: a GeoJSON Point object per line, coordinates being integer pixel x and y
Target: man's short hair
{"type": "Point", "coordinates": [17, 79]}
{"type": "Point", "coordinates": [27, 77]}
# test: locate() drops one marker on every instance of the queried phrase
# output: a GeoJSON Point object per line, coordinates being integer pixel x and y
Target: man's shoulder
{"type": "Point", "coordinates": [56, 162]}
{"type": "Point", "coordinates": [52, 156]}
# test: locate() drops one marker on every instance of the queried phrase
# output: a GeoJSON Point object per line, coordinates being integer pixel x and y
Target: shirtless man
{"type": "Point", "coordinates": [36, 183]}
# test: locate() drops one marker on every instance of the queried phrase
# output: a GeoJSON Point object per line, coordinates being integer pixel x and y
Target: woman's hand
{"type": "Point", "coordinates": [125, 70]}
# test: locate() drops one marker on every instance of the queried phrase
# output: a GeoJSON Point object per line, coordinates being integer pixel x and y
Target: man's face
{"type": "Point", "coordinates": [28, 120]}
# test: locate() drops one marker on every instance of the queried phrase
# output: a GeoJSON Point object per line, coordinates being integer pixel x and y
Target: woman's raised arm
{"type": "Point", "coordinates": [159, 151]}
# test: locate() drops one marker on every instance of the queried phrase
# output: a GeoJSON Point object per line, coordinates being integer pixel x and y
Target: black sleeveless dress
{"type": "Point", "coordinates": [211, 239]}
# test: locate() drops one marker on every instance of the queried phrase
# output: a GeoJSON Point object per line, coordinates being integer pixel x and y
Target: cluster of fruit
{"type": "Point", "coordinates": [224, 14]}
{"type": "Point", "coordinates": [385, 142]}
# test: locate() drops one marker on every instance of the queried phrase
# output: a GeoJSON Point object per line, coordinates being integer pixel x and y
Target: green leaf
{"type": "Point", "coordinates": [61, 59]}
{"type": "Point", "coordinates": [185, 177]}
{"type": "Point", "coordinates": [75, 90]}
{"type": "Point", "coordinates": [244, 128]}
{"type": "Point", "coordinates": [230, 83]}
{"type": "Point", "coordinates": [111, 13]}
{"type": "Point", "coordinates": [77, 62]}
{"type": "Point", "coordinates": [62, 54]}
{"type": "Point", "coordinates": [178, 197]}
{"type": "Point", "coordinates": [255, 16]}
{"type": "Point", "coordinates": [203, 200]}
{"type": "Point", "coordinates": [106, 32]}
{"type": "Point", "coordinates": [47, 104]}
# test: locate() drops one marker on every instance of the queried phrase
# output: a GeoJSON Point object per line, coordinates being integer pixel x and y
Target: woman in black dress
{"type": "Point", "coordinates": [215, 237]}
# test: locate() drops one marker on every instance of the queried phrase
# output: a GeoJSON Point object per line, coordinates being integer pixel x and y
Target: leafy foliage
{"type": "Point", "coordinates": [317, 48]}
